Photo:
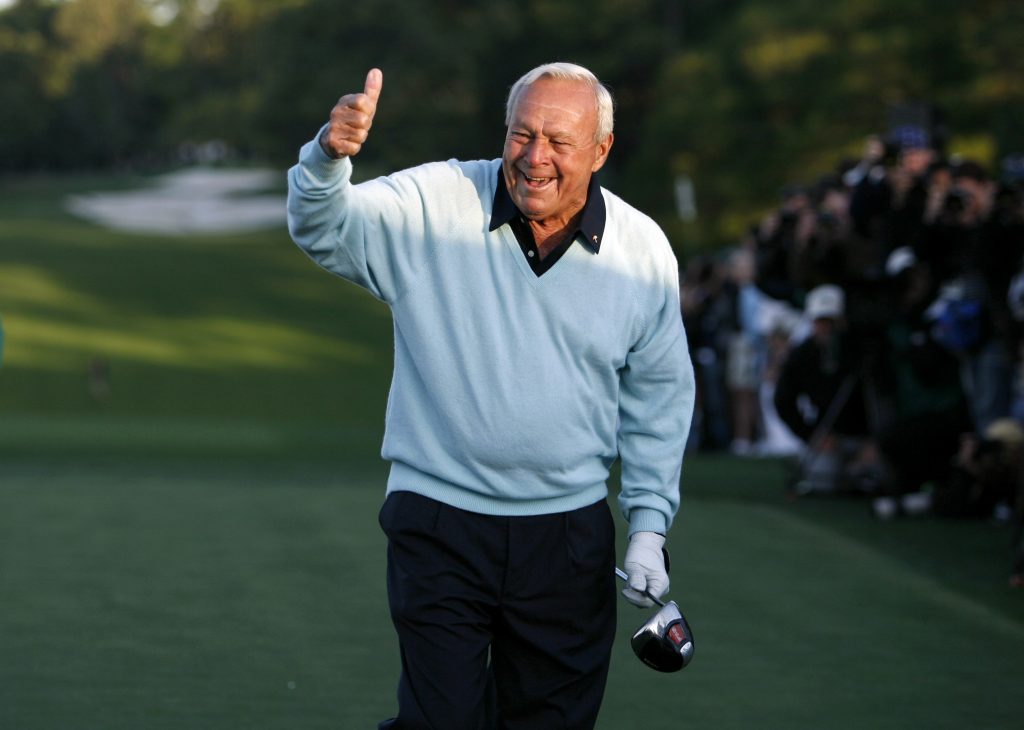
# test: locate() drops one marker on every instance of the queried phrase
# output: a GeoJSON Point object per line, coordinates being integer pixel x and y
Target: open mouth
{"type": "Point", "coordinates": [536, 183]}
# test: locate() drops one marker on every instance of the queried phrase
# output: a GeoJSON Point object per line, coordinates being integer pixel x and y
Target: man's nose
{"type": "Point", "coordinates": [537, 152]}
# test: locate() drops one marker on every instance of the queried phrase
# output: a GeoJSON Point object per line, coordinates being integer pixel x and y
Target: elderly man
{"type": "Point", "coordinates": [537, 339]}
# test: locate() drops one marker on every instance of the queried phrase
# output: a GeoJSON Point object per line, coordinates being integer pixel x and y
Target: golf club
{"type": "Point", "coordinates": [664, 642]}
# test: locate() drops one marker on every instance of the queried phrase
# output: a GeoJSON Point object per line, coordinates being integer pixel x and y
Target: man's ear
{"type": "Point", "coordinates": [603, 148]}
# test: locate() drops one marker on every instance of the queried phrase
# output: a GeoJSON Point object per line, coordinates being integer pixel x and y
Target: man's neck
{"type": "Point", "coordinates": [549, 235]}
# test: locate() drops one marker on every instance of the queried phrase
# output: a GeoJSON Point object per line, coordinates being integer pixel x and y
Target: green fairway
{"type": "Point", "coordinates": [200, 549]}
{"type": "Point", "coordinates": [226, 595]}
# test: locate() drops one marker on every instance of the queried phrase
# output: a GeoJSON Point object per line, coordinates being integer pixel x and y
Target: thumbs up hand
{"type": "Point", "coordinates": [351, 119]}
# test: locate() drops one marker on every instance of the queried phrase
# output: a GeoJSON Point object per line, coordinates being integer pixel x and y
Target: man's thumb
{"type": "Point", "coordinates": [374, 82]}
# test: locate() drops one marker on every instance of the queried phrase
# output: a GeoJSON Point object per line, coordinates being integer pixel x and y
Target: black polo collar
{"type": "Point", "coordinates": [592, 221]}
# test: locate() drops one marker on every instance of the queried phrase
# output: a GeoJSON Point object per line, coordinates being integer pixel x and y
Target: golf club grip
{"type": "Point", "coordinates": [624, 576]}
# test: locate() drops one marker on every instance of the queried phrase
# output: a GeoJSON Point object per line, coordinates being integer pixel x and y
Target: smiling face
{"type": "Point", "coordinates": [550, 150]}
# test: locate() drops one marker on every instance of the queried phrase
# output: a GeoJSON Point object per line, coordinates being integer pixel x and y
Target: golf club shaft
{"type": "Point", "coordinates": [622, 574]}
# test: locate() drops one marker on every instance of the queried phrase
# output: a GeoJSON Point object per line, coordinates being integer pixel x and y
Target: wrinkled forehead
{"type": "Point", "coordinates": [563, 103]}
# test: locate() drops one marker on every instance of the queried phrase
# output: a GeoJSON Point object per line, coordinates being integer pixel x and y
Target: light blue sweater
{"type": "Point", "coordinates": [512, 394]}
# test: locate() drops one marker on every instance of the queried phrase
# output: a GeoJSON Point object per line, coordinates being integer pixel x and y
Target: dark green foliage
{"type": "Point", "coordinates": [743, 97]}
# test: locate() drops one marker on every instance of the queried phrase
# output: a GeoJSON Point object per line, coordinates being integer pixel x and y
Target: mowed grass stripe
{"type": "Point", "coordinates": [900, 578]}
{"type": "Point", "coordinates": [115, 435]}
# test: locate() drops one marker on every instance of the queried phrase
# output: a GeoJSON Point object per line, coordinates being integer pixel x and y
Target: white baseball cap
{"type": "Point", "coordinates": [900, 260]}
{"type": "Point", "coordinates": [826, 300]}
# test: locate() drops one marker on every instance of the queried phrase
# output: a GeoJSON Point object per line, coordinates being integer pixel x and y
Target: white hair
{"type": "Point", "coordinates": [570, 72]}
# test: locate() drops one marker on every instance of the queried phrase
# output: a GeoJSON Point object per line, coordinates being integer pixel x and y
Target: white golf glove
{"type": "Point", "coordinates": [645, 566]}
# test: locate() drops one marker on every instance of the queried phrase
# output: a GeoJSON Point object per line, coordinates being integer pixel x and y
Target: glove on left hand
{"type": "Point", "coordinates": [645, 566]}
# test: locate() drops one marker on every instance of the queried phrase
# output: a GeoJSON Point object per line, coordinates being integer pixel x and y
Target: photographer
{"type": "Point", "coordinates": [985, 473]}
{"type": "Point", "coordinates": [973, 256]}
{"type": "Point", "coordinates": [922, 389]}
{"type": "Point", "coordinates": [777, 239]}
{"type": "Point", "coordinates": [820, 396]}
{"type": "Point", "coordinates": [889, 193]}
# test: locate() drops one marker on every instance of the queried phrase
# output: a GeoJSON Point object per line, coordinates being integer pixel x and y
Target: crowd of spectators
{"type": "Point", "coordinates": [872, 328]}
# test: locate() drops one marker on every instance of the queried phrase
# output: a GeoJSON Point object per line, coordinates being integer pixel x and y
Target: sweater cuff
{"type": "Point", "coordinates": [322, 167]}
{"type": "Point", "coordinates": [647, 520]}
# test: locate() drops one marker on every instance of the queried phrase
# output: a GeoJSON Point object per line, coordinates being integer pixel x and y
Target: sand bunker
{"type": "Point", "coordinates": [196, 200]}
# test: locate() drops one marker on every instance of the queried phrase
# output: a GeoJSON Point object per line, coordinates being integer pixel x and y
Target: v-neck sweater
{"type": "Point", "coordinates": [512, 394]}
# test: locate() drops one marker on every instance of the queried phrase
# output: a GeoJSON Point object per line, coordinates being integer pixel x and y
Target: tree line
{"type": "Point", "coordinates": [740, 97]}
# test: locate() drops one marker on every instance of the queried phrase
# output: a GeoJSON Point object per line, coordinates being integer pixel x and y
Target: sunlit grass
{"type": "Point", "coordinates": [225, 326]}
{"type": "Point", "coordinates": [25, 286]}
{"type": "Point", "coordinates": [201, 342]}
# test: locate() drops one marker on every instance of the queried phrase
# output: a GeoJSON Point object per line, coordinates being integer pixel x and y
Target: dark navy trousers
{"type": "Point", "coordinates": [502, 622]}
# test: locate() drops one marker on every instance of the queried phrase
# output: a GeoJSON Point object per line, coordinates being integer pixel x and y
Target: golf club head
{"type": "Point", "coordinates": [664, 642]}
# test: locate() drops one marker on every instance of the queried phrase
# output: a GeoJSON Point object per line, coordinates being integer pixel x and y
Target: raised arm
{"type": "Point", "coordinates": [354, 231]}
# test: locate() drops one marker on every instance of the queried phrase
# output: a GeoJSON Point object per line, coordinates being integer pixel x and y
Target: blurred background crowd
{"type": "Point", "coordinates": [871, 326]}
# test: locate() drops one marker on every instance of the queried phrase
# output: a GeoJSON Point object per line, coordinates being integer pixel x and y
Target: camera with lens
{"type": "Point", "coordinates": [956, 202]}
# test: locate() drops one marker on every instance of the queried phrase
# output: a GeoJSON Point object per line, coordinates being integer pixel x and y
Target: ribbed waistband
{"type": "Point", "coordinates": [406, 478]}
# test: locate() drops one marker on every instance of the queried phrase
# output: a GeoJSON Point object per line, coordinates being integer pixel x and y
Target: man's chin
{"type": "Point", "coordinates": [532, 201]}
